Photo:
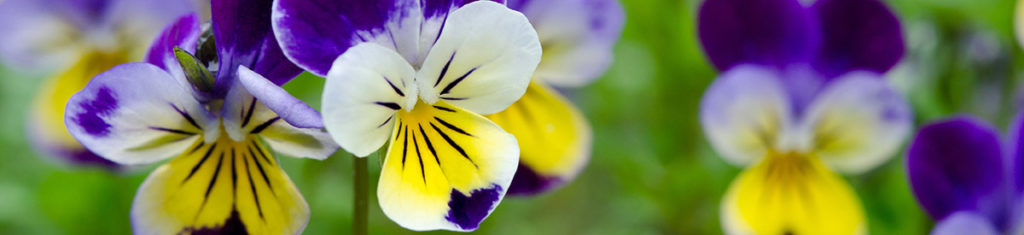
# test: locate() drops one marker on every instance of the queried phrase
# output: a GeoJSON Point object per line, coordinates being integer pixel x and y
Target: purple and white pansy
{"type": "Point", "coordinates": [801, 93]}
{"type": "Point", "coordinates": [222, 115]}
{"type": "Point", "coordinates": [419, 74]}
{"type": "Point", "coordinates": [967, 177]}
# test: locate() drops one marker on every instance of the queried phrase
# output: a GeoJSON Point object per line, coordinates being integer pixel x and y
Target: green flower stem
{"type": "Point", "coordinates": [361, 199]}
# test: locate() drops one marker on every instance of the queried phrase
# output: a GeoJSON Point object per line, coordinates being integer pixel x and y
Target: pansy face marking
{"type": "Point", "coordinates": [419, 76]}
{"type": "Point", "coordinates": [221, 126]}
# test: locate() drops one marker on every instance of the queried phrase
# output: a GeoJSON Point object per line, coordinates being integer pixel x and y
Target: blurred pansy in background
{"type": "Point", "coordinates": [419, 74]}
{"type": "Point", "coordinates": [967, 177]}
{"type": "Point", "coordinates": [801, 94]}
{"type": "Point", "coordinates": [554, 137]}
{"type": "Point", "coordinates": [221, 119]}
{"type": "Point", "coordinates": [72, 41]}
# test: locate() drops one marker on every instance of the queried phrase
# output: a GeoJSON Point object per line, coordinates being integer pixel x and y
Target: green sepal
{"type": "Point", "coordinates": [195, 72]}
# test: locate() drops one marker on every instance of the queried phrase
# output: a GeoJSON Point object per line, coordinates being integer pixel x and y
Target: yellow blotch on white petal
{"type": "Point", "coordinates": [791, 194]}
{"type": "Point", "coordinates": [226, 186]}
{"type": "Point", "coordinates": [554, 138]}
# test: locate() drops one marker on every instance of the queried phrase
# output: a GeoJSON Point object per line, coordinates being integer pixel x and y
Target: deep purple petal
{"type": "Point", "coordinates": [1016, 146]}
{"type": "Point", "coordinates": [467, 211]}
{"type": "Point", "coordinates": [292, 110]}
{"type": "Point", "coordinates": [528, 182]}
{"type": "Point", "coordinates": [767, 32]}
{"type": "Point", "coordinates": [857, 35]}
{"type": "Point", "coordinates": [183, 33]}
{"type": "Point", "coordinates": [244, 38]}
{"type": "Point", "coordinates": [955, 165]}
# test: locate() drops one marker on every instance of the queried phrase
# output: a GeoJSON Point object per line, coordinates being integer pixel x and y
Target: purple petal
{"type": "Point", "coordinates": [767, 32]}
{"type": "Point", "coordinates": [857, 35]}
{"type": "Point", "coordinates": [955, 165]}
{"type": "Point", "coordinates": [964, 223]}
{"type": "Point", "coordinates": [183, 33]}
{"type": "Point", "coordinates": [528, 182]}
{"type": "Point", "coordinates": [1016, 146]}
{"type": "Point", "coordinates": [244, 38]}
{"type": "Point", "coordinates": [292, 110]}
{"type": "Point", "coordinates": [467, 211]}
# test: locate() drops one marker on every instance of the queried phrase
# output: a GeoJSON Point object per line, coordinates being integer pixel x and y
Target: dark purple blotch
{"type": "Point", "coordinates": [467, 211]}
{"type": "Point", "coordinates": [233, 225]}
{"type": "Point", "coordinates": [527, 182]}
{"type": "Point", "coordinates": [91, 120]}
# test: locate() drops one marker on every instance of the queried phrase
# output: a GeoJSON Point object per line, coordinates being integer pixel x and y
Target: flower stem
{"type": "Point", "coordinates": [360, 201]}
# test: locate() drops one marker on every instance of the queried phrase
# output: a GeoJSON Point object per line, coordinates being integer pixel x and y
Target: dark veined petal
{"type": "Point", "coordinates": [446, 168]}
{"type": "Point", "coordinates": [577, 36]}
{"type": "Point", "coordinates": [767, 32]}
{"type": "Point", "coordinates": [244, 37]}
{"type": "Point", "coordinates": [791, 194]}
{"type": "Point", "coordinates": [137, 113]}
{"type": "Point", "coordinates": [221, 187]}
{"type": "Point", "coordinates": [857, 35]}
{"type": "Point", "coordinates": [955, 165]}
{"type": "Point", "coordinates": [183, 33]}
{"type": "Point", "coordinates": [483, 59]}
{"type": "Point", "coordinates": [554, 139]}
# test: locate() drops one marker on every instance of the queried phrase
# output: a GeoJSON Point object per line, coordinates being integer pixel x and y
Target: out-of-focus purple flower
{"type": "Point", "coordinates": [801, 93]}
{"type": "Point", "coordinates": [967, 177]}
{"type": "Point", "coordinates": [81, 38]}
{"type": "Point", "coordinates": [222, 117]}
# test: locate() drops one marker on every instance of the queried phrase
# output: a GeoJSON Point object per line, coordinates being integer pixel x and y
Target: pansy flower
{"type": "Point", "coordinates": [554, 136]}
{"type": "Point", "coordinates": [80, 39]}
{"type": "Point", "coordinates": [419, 74]}
{"type": "Point", "coordinates": [967, 178]}
{"type": "Point", "coordinates": [222, 115]}
{"type": "Point", "coordinates": [801, 95]}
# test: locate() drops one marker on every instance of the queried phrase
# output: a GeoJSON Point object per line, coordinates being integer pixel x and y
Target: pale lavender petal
{"type": "Point", "coordinates": [767, 32]}
{"type": "Point", "coordinates": [36, 36]}
{"type": "Point", "coordinates": [964, 223]}
{"type": "Point", "coordinates": [857, 35]}
{"type": "Point", "coordinates": [244, 38]}
{"type": "Point", "coordinates": [956, 165]}
{"type": "Point", "coordinates": [292, 110]}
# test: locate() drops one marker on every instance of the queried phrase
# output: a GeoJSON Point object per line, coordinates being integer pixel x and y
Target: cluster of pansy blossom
{"type": "Point", "coordinates": [212, 101]}
{"type": "Point", "coordinates": [419, 74]}
{"type": "Point", "coordinates": [79, 38]}
{"type": "Point", "coordinates": [801, 93]}
{"type": "Point", "coordinates": [577, 37]}
{"type": "Point", "coordinates": [968, 178]}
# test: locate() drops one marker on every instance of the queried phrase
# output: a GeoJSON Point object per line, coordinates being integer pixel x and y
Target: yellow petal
{"type": "Point", "coordinates": [446, 168]}
{"type": "Point", "coordinates": [791, 194]}
{"type": "Point", "coordinates": [225, 186]}
{"type": "Point", "coordinates": [554, 139]}
{"type": "Point", "coordinates": [47, 115]}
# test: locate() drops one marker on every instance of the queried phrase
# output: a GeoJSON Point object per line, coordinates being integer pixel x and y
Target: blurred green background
{"type": "Point", "coordinates": [652, 170]}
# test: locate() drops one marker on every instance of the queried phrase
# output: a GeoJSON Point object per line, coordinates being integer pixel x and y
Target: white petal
{"type": "Point", "coordinates": [744, 113]}
{"type": "Point", "coordinates": [483, 59]}
{"type": "Point", "coordinates": [365, 88]}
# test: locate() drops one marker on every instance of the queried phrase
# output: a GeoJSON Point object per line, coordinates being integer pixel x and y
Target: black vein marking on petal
{"type": "Point", "coordinates": [444, 70]}
{"type": "Point", "coordinates": [260, 151]}
{"type": "Point", "coordinates": [386, 121]}
{"type": "Point", "coordinates": [187, 117]}
{"type": "Point", "coordinates": [200, 145]}
{"type": "Point", "coordinates": [234, 175]}
{"type": "Point", "coordinates": [453, 98]}
{"type": "Point", "coordinates": [209, 188]}
{"type": "Point", "coordinates": [393, 87]}
{"type": "Point", "coordinates": [248, 114]}
{"type": "Point", "coordinates": [444, 108]}
{"type": "Point", "coordinates": [450, 126]}
{"type": "Point", "coordinates": [390, 105]}
{"type": "Point", "coordinates": [201, 161]}
{"type": "Point", "coordinates": [416, 144]}
{"type": "Point", "coordinates": [260, 167]}
{"type": "Point", "coordinates": [453, 144]}
{"type": "Point", "coordinates": [175, 131]}
{"type": "Point", "coordinates": [252, 185]}
{"type": "Point", "coordinates": [400, 126]}
{"type": "Point", "coordinates": [430, 145]}
{"type": "Point", "coordinates": [266, 124]}
{"type": "Point", "coordinates": [405, 145]}
{"type": "Point", "coordinates": [451, 85]}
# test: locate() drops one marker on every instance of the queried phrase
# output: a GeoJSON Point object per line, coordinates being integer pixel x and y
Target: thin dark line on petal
{"type": "Point", "coordinates": [260, 151]}
{"type": "Point", "coordinates": [445, 69]}
{"type": "Point", "coordinates": [453, 98]}
{"type": "Point", "coordinates": [187, 116]}
{"type": "Point", "coordinates": [420, 156]}
{"type": "Point", "coordinates": [390, 105]}
{"type": "Point", "coordinates": [262, 172]}
{"type": "Point", "coordinates": [266, 124]}
{"type": "Point", "coordinates": [453, 144]}
{"type": "Point", "coordinates": [386, 121]}
{"type": "Point", "coordinates": [451, 85]}
{"type": "Point", "coordinates": [400, 126]}
{"type": "Point", "coordinates": [393, 87]}
{"type": "Point", "coordinates": [248, 114]}
{"type": "Point", "coordinates": [430, 146]}
{"type": "Point", "coordinates": [252, 185]}
{"type": "Point", "coordinates": [405, 145]}
{"type": "Point", "coordinates": [200, 145]}
{"type": "Point", "coordinates": [444, 108]}
{"type": "Point", "coordinates": [453, 127]}
{"type": "Point", "coordinates": [234, 175]}
{"type": "Point", "coordinates": [201, 161]}
{"type": "Point", "coordinates": [175, 131]}
{"type": "Point", "coordinates": [209, 188]}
